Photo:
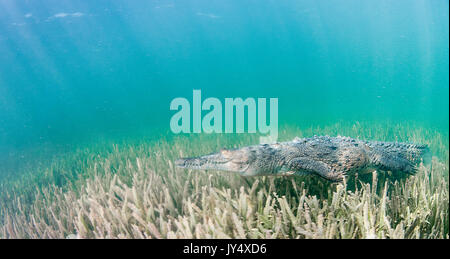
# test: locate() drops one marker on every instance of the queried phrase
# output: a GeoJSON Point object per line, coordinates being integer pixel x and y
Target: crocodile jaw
{"type": "Point", "coordinates": [226, 160]}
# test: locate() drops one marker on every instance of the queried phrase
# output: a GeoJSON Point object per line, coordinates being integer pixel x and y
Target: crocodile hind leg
{"type": "Point", "coordinates": [320, 168]}
{"type": "Point", "coordinates": [390, 162]}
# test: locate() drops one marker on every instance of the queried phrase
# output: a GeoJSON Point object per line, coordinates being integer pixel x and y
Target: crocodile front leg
{"type": "Point", "coordinates": [302, 164]}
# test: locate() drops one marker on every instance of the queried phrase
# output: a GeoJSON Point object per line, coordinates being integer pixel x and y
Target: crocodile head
{"type": "Point", "coordinates": [241, 160]}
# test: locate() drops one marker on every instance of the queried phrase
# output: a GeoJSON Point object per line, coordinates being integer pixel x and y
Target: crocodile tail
{"type": "Point", "coordinates": [426, 156]}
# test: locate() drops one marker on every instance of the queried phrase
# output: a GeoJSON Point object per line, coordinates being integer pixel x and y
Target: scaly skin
{"type": "Point", "coordinates": [329, 157]}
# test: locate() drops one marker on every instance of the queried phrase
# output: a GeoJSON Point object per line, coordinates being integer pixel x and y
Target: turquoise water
{"type": "Point", "coordinates": [78, 71]}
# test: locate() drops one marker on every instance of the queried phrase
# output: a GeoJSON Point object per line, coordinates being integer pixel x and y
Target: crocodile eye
{"type": "Point", "coordinates": [225, 152]}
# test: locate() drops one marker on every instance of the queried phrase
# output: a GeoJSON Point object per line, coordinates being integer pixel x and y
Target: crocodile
{"type": "Point", "coordinates": [332, 158]}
